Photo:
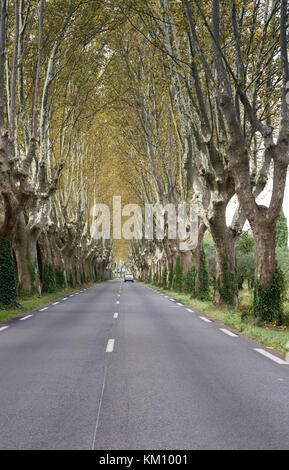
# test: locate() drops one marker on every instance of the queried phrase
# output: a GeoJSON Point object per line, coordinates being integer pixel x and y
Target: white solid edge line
{"type": "Point", "coordinates": [228, 332]}
{"type": "Point", "coordinates": [276, 359]}
{"type": "Point", "coordinates": [189, 310]}
{"type": "Point", "coordinates": [110, 345]}
{"type": "Point", "coordinates": [42, 310]}
{"type": "Point", "coordinates": [206, 319]}
{"type": "Point", "coordinates": [4, 328]}
{"type": "Point", "coordinates": [25, 318]}
{"type": "Point", "coordinates": [115, 315]}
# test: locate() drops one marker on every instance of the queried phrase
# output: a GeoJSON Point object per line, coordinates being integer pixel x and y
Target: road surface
{"type": "Point", "coordinates": [120, 366]}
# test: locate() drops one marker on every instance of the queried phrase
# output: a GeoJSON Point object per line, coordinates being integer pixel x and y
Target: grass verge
{"type": "Point", "coordinates": [28, 304]}
{"type": "Point", "coordinates": [268, 335]}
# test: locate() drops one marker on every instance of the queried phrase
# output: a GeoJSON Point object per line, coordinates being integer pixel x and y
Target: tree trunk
{"type": "Point", "coordinates": [268, 286]}
{"type": "Point", "coordinates": [196, 253]}
{"type": "Point", "coordinates": [185, 262]}
{"type": "Point", "coordinates": [226, 289]}
{"type": "Point", "coordinates": [45, 249]}
{"type": "Point", "coordinates": [265, 262]}
{"type": "Point", "coordinates": [224, 239]}
{"type": "Point", "coordinates": [25, 247]}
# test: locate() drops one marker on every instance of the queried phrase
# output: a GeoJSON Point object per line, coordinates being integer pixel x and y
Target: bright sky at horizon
{"type": "Point", "coordinates": [264, 198]}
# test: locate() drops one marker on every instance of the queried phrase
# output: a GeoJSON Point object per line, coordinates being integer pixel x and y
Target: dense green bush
{"type": "Point", "coordinates": [229, 288]}
{"type": "Point", "coordinates": [245, 259]}
{"type": "Point", "coordinates": [204, 291]}
{"type": "Point", "coordinates": [150, 277]}
{"type": "Point", "coordinates": [165, 279]}
{"type": "Point", "coordinates": [269, 301]}
{"type": "Point", "coordinates": [156, 278]}
{"type": "Point", "coordinates": [178, 276]}
{"type": "Point", "coordinates": [8, 281]}
{"type": "Point", "coordinates": [282, 231]}
{"type": "Point", "coordinates": [59, 278]}
{"type": "Point", "coordinates": [48, 279]}
{"type": "Point", "coordinates": [171, 275]}
{"type": "Point", "coordinates": [70, 279]}
{"type": "Point", "coordinates": [190, 281]}
{"type": "Point", "coordinates": [282, 258]}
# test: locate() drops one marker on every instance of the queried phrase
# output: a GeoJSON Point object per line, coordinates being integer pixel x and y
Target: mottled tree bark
{"type": "Point", "coordinates": [196, 254]}
{"type": "Point", "coordinates": [25, 248]}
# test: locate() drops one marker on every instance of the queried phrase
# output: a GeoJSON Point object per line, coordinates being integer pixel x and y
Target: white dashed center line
{"type": "Point", "coordinates": [228, 332]}
{"type": "Point", "coordinates": [26, 318]}
{"type": "Point", "coordinates": [276, 359]}
{"type": "Point", "coordinates": [115, 315]}
{"type": "Point", "coordinates": [110, 345]}
{"type": "Point", "coordinates": [117, 302]}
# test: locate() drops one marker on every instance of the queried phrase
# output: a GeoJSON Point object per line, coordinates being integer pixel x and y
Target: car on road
{"type": "Point", "coordinates": [128, 278]}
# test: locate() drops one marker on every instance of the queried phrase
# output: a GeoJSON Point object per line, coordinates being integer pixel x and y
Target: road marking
{"type": "Point", "coordinates": [110, 345]}
{"type": "Point", "coordinates": [26, 318]}
{"type": "Point", "coordinates": [99, 408]}
{"type": "Point", "coordinates": [72, 295]}
{"type": "Point", "coordinates": [189, 310]}
{"type": "Point", "coordinates": [206, 319]}
{"type": "Point", "coordinates": [43, 309]}
{"type": "Point", "coordinates": [172, 300]}
{"type": "Point", "coordinates": [117, 302]}
{"type": "Point", "coordinates": [228, 332]}
{"type": "Point", "coordinates": [65, 298]}
{"type": "Point", "coordinates": [55, 303]}
{"type": "Point", "coordinates": [179, 304]}
{"type": "Point", "coordinates": [115, 315]}
{"type": "Point", "coordinates": [276, 359]}
{"type": "Point", "coordinates": [4, 328]}
{"type": "Point", "coordinates": [118, 295]}
{"type": "Point", "coordinates": [77, 293]}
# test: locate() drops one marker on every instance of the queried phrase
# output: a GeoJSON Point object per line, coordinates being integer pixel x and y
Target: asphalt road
{"type": "Point", "coordinates": [144, 373]}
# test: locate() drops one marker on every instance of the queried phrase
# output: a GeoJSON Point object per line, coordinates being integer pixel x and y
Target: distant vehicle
{"type": "Point", "coordinates": [128, 278]}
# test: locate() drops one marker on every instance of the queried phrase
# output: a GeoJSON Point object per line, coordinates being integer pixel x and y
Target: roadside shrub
{"type": "Point", "coordinates": [178, 276]}
{"type": "Point", "coordinates": [190, 281]}
{"type": "Point", "coordinates": [150, 277]}
{"type": "Point", "coordinates": [156, 278]}
{"type": "Point", "coordinates": [171, 276]}
{"type": "Point", "coordinates": [165, 278]}
{"type": "Point", "coordinates": [48, 282]}
{"type": "Point", "coordinates": [70, 279]}
{"type": "Point", "coordinates": [204, 291]}
{"type": "Point", "coordinates": [59, 278]}
{"type": "Point", "coordinates": [8, 281]}
{"type": "Point", "coordinates": [268, 303]}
